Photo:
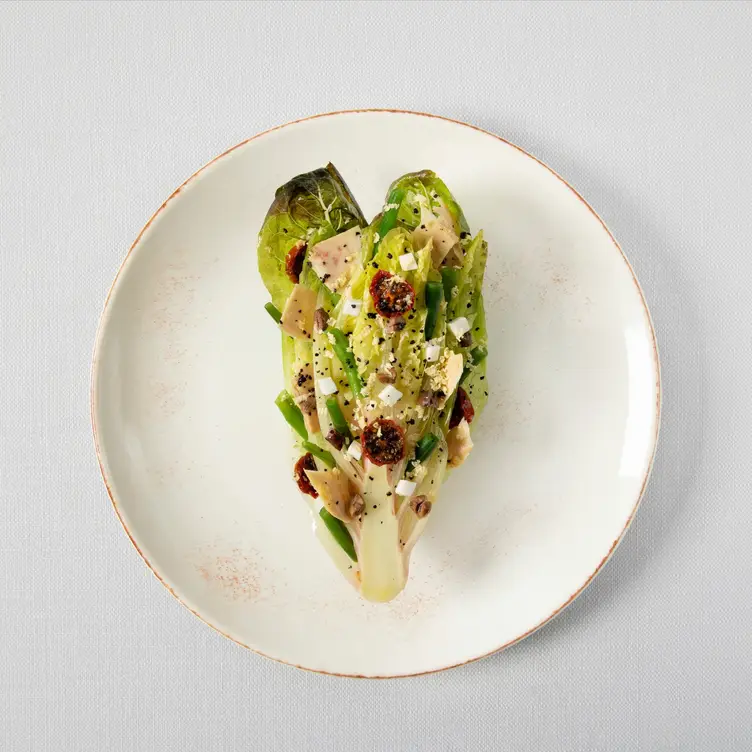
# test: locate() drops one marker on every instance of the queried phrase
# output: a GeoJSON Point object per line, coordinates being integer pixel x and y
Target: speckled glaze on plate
{"type": "Point", "coordinates": [198, 462]}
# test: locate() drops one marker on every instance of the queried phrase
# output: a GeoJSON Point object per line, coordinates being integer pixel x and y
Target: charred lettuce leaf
{"type": "Point", "coordinates": [309, 208]}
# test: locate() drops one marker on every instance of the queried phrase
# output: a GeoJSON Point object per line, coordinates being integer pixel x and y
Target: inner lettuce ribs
{"type": "Point", "coordinates": [384, 357]}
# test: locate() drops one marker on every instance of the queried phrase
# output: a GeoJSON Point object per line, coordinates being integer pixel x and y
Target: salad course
{"type": "Point", "coordinates": [384, 359]}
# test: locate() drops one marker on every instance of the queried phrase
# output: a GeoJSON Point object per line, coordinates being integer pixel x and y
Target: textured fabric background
{"type": "Point", "coordinates": [106, 108]}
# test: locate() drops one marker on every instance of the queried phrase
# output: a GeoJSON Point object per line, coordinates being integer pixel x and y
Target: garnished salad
{"type": "Point", "coordinates": [384, 359]}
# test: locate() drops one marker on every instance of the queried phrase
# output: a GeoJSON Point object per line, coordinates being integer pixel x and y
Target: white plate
{"type": "Point", "coordinates": [197, 459]}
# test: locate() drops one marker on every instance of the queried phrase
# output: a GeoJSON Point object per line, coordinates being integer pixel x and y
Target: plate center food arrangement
{"type": "Point", "coordinates": [384, 350]}
{"type": "Point", "coordinates": [533, 409]}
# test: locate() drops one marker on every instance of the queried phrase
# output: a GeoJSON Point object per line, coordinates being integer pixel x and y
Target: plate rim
{"type": "Point", "coordinates": [99, 336]}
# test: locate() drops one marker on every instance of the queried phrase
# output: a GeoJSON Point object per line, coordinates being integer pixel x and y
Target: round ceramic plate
{"type": "Point", "coordinates": [197, 459]}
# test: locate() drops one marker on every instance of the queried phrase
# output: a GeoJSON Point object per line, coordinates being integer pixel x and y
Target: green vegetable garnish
{"type": "Point", "coordinates": [434, 296]}
{"type": "Point", "coordinates": [337, 418]}
{"type": "Point", "coordinates": [291, 413]}
{"type": "Point", "coordinates": [423, 449]}
{"type": "Point", "coordinates": [389, 219]}
{"type": "Point", "coordinates": [274, 312]}
{"type": "Point", "coordinates": [342, 350]}
{"type": "Point", "coordinates": [449, 277]}
{"type": "Point", "coordinates": [339, 532]}
{"type": "Point", "coordinates": [477, 356]}
{"type": "Point", "coordinates": [317, 451]}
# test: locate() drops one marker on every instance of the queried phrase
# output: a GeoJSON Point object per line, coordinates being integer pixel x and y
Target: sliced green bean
{"type": "Point", "coordinates": [449, 277]}
{"type": "Point", "coordinates": [434, 296]}
{"type": "Point", "coordinates": [291, 413]}
{"type": "Point", "coordinates": [338, 419]}
{"type": "Point", "coordinates": [389, 220]}
{"type": "Point", "coordinates": [344, 353]}
{"type": "Point", "coordinates": [477, 356]}
{"type": "Point", "coordinates": [317, 451]}
{"type": "Point", "coordinates": [426, 444]}
{"type": "Point", "coordinates": [273, 311]}
{"type": "Point", "coordinates": [339, 532]}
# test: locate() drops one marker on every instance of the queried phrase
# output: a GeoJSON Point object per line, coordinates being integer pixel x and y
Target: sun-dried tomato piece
{"type": "Point", "coordinates": [392, 296]}
{"type": "Point", "coordinates": [383, 442]}
{"type": "Point", "coordinates": [294, 261]}
{"type": "Point", "coordinates": [306, 462]}
{"type": "Point", "coordinates": [463, 408]}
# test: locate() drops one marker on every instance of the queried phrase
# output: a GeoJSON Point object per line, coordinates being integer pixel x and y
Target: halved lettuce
{"type": "Point", "coordinates": [393, 407]}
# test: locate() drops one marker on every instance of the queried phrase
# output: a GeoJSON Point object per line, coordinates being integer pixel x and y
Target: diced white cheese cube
{"type": "Point", "coordinates": [405, 487]}
{"type": "Point", "coordinates": [327, 385]}
{"type": "Point", "coordinates": [389, 395]}
{"type": "Point", "coordinates": [459, 327]}
{"type": "Point", "coordinates": [352, 307]}
{"type": "Point", "coordinates": [408, 262]}
{"type": "Point", "coordinates": [355, 450]}
{"type": "Point", "coordinates": [432, 353]}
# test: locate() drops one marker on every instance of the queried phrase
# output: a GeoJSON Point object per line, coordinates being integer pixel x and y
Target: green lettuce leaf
{"type": "Point", "coordinates": [311, 207]}
{"type": "Point", "coordinates": [425, 188]}
{"type": "Point", "coordinates": [369, 345]}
